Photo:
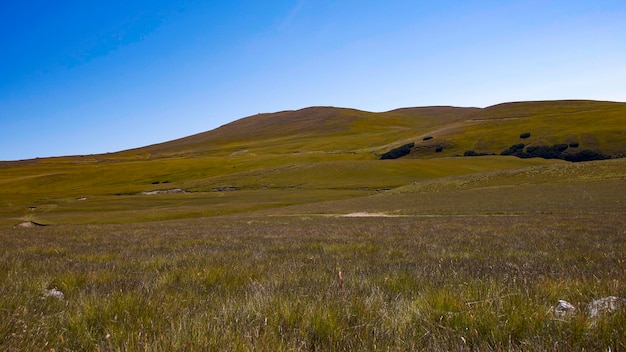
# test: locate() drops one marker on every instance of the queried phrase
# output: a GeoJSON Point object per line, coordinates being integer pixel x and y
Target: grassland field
{"type": "Point", "coordinates": [474, 263]}
{"type": "Point", "coordinates": [70, 194]}
{"type": "Point", "coordinates": [302, 240]}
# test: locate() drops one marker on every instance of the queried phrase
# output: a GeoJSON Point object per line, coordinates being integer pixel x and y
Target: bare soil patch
{"type": "Point", "coordinates": [365, 214]}
{"type": "Point", "coordinates": [29, 224]}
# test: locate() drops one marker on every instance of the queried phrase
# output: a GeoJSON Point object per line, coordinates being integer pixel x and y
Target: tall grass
{"type": "Point", "coordinates": [253, 283]}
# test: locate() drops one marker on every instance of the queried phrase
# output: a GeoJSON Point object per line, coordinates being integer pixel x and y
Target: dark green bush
{"type": "Point", "coordinates": [427, 138]}
{"type": "Point", "coordinates": [439, 149]}
{"type": "Point", "coordinates": [573, 145]}
{"type": "Point", "coordinates": [473, 153]}
{"type": "Point", "coordinates": [585, 155]}
{"type": "Point", "coordinates": [514, 149]}
{"type": "Point", "coordinates": [398, 152]}
{"type": "Point", "coordinates": [556, 151]}
{"type": "Point", "coordinates": [560, 148]}
{"type": "Point", "coordinates": [542, 151]}
{"type": "Point", "coordinates": [524, 135]}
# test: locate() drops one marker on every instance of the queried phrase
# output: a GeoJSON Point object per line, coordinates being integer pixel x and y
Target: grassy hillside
{"type": "Point", "coordinates": [112, 192]}
{"type": "Point", "coordinates": [286, 232]}
{"type": "Point", "coordinates": [296, 157]}
{"type": "Point", "coordinates": [560, 188]}
{"type": "Point", "coordinates": [593, 125]}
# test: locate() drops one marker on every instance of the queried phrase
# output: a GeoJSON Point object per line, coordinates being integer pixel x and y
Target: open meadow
{"type": "Point", "coordinates": [461, 276]}
{"type": "Point", "coordinates": [250, 283]}
{"type": "Point", "coordinates": [287, 232]}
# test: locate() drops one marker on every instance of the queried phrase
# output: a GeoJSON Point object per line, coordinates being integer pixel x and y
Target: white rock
{"type": "Point", "coordinates": [605, 305]}
{"type": "Point", "coordinates": [563, 309]}
{"type": "Point", "coordinates": [54, 293]}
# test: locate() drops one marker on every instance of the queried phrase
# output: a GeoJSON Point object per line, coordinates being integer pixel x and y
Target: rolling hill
{"type": "Point", "coordinates": [593, 124]}
{"type": "Point", "coordinates": [308, 156]}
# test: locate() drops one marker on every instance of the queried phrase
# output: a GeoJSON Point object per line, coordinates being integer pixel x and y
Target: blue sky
{"type": "Point", "coordinates": [82, 77]}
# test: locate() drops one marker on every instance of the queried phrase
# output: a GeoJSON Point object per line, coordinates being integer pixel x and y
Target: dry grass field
{"type": "Point", "coordinates": [301, 239]}
{"type": "Point", "coordinates": [271, 283]}
{"type": "Point", "coordinates": [459, 273]}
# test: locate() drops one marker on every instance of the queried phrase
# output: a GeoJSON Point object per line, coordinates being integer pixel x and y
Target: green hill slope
{"type": "Point", "coordinates": [316, 129]}
{"type": "Point", "coordinates": [297, 157]}
{"type": "Point", "coordinates": [592, 124]}
{"type": "Point", "coordinates": [562, 188]}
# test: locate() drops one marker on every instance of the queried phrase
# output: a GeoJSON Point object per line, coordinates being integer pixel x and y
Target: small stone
{"type": "Point", "coordinates": [54, 293]}
{"type": "Point", "coordinates": [563, 309]}
{"type": "Point", "coordinates": [605, 305]}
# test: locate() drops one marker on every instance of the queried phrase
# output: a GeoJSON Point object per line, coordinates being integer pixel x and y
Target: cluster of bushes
{"type": "Point", "coordinates": [520, 150]}
{"type": "Point", "coordinates": [546, 152]}
{"type": "Point", "coordinates": [473, 153]}
{"type": "Point", "coordinates": [398, 152]}
{"type": "Point", "coordinates": [585, 155]}
{"type": "Point", "coordinates": [515, 149]}
{"type": "Point", "coordinates": [158, 182]}
{"type": "Point", "coordinates": [557, 151]}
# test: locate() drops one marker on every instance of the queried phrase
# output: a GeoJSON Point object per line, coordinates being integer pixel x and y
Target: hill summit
{"type": "Point", "coordinates": [445, 130]}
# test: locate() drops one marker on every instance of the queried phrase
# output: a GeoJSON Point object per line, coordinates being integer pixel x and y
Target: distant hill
{"type": "Point", "coordinates": [592, 124]}
{"type": "Point", "coordinates": [436, 131]}
{"type": "Point", "coordinates": [304, 156]}
{"type": "Point", "coordinates": [342, 129]}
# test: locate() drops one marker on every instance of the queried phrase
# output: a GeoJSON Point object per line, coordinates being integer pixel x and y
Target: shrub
{"type": "Point", "coordinates": [542, 151]}
{"type": "Point", "coordinates": [427, 138]}
{"type": "Point", "coordinates": [473, 153]}
{"type": "Point", "coordinates": [398, 152]}
{"type": "Point", "coordinates": [514, 149]}
{"type": "Point", "coordinates": [439, 149]}
{"type": "Point", "coordinates": [556, 151]}
{"type": "Point", "coordinates": [585, 155]}
{"type": "Point", "coordinates": [573, 145]}
{"type": "Point", "coordinates": [560, 148]}
{"type": "Point", "coordinates": [524, 135]}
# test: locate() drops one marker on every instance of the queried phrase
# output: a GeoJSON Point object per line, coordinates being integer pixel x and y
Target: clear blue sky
{"type": "Point", "coordinates": [81, 77]}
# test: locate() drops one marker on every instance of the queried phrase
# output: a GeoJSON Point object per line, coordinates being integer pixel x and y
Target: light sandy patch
{"type": "Point", "coordinates": [29, 224]}
{"type": "Point", "coordinates": [164, 191]}
{"type": "Point", "coordinates": [368, 215]}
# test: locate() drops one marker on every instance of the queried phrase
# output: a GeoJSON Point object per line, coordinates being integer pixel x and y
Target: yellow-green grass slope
{"type": "Point", "coordinates": [296, 157]}
{"type": "Point", "coordinates": [572, 189]}
{"type": "Point", "coordinates": [477, 252]}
